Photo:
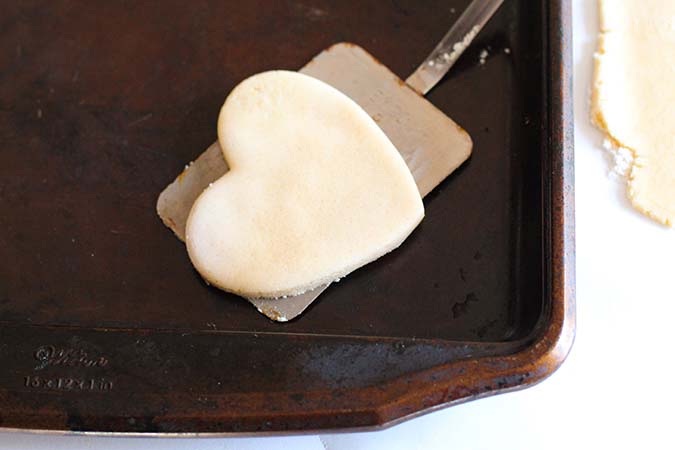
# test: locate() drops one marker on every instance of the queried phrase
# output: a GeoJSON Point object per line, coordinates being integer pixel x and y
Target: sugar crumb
{"type": "Point", "coordinates": [483, 56]}
{"type": "Point", "coordinates": [622, 158]}
{"type": "Point", "coordinates": [457, 48]}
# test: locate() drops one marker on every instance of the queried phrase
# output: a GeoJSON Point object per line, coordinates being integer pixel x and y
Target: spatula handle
{"type": "Point", "coordinates": [453, 44]}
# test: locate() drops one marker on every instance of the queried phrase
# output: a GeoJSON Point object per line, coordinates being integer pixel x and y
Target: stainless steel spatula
{"type": "Point", "coordinates": [431, 144]}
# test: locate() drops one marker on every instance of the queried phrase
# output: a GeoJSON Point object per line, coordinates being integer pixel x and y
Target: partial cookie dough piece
{"type": "Point", "coordinates": [633, 98]}
{"type": "Point", "coordinates": [315, 190]}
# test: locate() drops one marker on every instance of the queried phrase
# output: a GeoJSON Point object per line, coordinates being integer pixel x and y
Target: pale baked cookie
{"type": "Point", "coordinates": [315, 190]}
{"type": "Point", "coordinates": [633, 98]}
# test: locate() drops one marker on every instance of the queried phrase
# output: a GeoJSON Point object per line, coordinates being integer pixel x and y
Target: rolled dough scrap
{"type": "Point", "coordinates": [315, 190]}
{"type": "Point", "coordinates": [633, 99]}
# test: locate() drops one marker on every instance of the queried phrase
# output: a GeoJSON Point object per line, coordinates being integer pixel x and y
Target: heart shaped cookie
{"type": "Point", "coordinates": [315, 190]}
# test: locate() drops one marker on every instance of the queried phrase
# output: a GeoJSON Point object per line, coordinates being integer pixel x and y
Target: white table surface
{"type": "Point", "coordinates": [617, 386]}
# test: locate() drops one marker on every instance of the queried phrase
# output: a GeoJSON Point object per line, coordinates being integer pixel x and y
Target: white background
{"type": "Point", "coordinates": [618, 384]}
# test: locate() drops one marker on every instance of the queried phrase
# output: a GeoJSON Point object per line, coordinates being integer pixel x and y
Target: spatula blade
{"type": "Point", "coordinates": [431, 144]}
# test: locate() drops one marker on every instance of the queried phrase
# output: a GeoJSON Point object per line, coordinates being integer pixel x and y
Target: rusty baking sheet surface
{"type": "Point", "coordinates": [104, 325]}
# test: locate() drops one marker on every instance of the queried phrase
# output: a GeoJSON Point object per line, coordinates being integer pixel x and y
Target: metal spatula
{"type": "Point", "coordinates": [431, 144]}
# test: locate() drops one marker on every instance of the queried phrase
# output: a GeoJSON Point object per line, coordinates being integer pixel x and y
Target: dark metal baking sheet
{"type": "Point", "coordinates": [104, 325]}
